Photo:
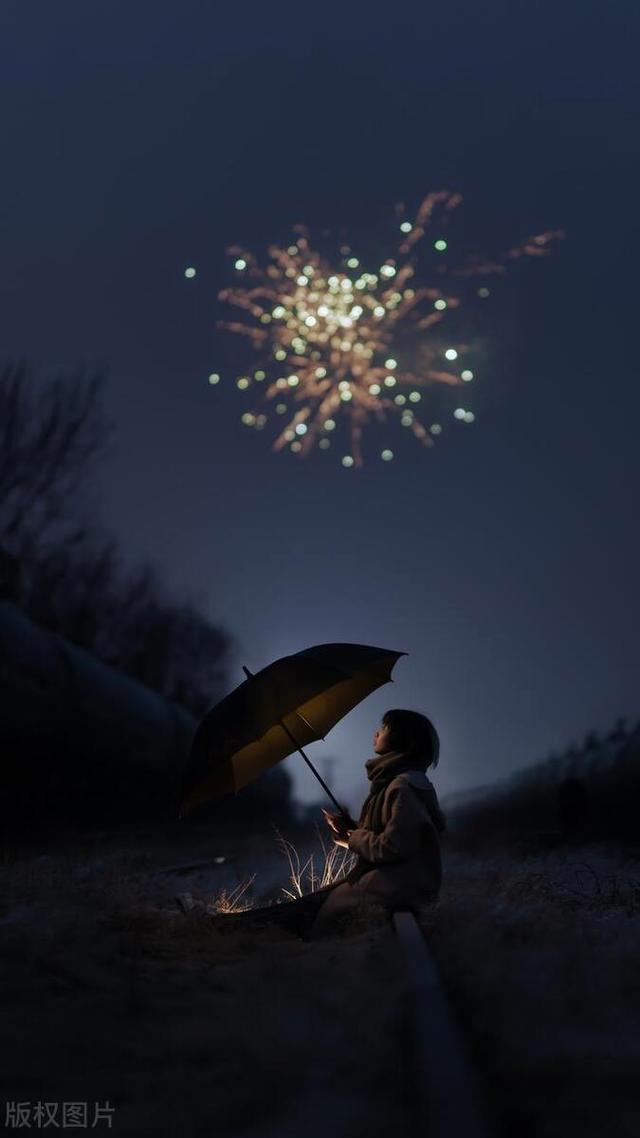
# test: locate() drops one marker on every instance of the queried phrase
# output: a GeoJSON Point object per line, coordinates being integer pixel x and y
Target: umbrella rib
{"type": "Point", "coordinates": [309, 725]}
{"type": "Point", "coordinates": [311, 766]}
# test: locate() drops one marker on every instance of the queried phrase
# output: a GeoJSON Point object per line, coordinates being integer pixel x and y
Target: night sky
{"type": "Point", "coordinates": [140, 138]}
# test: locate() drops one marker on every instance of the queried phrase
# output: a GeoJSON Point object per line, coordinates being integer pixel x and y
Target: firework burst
{"type": "Point", "coordinates": [342, 344]}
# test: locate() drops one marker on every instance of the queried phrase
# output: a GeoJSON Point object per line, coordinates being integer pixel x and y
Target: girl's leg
{"type": "Point", "coordinates": [342, 903]}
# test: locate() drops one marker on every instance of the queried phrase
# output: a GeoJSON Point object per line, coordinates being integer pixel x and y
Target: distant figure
{"type": "Point", "coordinates": [397, 835]}
{"type": "Point", "coordinates": [572, 806]}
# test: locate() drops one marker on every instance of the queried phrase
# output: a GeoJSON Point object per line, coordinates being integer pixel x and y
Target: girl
{"type": "Point", "coordinates": [397, 835]}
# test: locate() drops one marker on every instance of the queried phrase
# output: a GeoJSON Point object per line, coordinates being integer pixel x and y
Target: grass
{"type": "Point", "coordinates": [306, 877]}
{"type": "Point", "coordinates": [110, 993]}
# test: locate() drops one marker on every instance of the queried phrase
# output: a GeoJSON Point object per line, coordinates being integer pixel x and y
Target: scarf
{"type": "Point", "coordinates": [381, 770]}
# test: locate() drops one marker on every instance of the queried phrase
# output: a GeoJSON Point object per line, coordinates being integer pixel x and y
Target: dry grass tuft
{"type": "Point", "coordinates": [335, 863]}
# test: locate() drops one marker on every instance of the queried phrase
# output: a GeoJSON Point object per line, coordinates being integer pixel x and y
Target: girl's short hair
{"type": "Point", "coordinates": [414, 734]}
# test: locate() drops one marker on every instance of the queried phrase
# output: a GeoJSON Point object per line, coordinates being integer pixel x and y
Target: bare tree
{"type": "Point", "coordinates": [49, 440]}
{"type": "Point", "coordinates": [70, 576]}
{"type": "Point", "coordinates": [72, 588]}
{"type": "Point", "coordinates": [169, 646]}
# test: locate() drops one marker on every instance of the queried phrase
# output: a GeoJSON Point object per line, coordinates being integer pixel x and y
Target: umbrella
{"type": "Point", "coordinates": [292, 702]}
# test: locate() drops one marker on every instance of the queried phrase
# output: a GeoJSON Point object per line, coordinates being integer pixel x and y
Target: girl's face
{"type": "Point", "coordinates": [381, 740]}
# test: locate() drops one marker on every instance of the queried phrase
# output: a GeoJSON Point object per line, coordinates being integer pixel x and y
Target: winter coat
{"type": "Point", "coordinates": [406, 866]}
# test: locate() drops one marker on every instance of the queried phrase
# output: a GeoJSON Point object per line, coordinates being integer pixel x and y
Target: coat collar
{"type": "Point", "coordinates": [385, 766]}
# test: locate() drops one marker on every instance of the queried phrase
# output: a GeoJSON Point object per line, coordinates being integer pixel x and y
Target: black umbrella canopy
{"type": "Point", "coordinates": [292, 702]}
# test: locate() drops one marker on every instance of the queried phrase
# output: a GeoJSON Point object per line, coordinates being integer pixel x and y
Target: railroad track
{"type": "Point", "coordinates": [449, 1097]}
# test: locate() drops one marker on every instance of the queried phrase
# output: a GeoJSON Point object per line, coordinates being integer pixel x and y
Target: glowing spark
{"type": "Point", "coordinates": [325, 335]}
{"type": "Point", "coordinates": [190, 273]}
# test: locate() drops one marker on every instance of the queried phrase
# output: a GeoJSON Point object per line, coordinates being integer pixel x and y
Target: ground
{"type": "Point", "coordinates": [113, 995]}
{"type": "Point", "coordinates": [539, 957]}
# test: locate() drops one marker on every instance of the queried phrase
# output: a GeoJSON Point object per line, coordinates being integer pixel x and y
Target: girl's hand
{"type": "Point", "coordinates": [341, 841]}
{"type": "Point", "coordinates": [341, 827]}
{"type": "Point", "coordinates": [339, 823]}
